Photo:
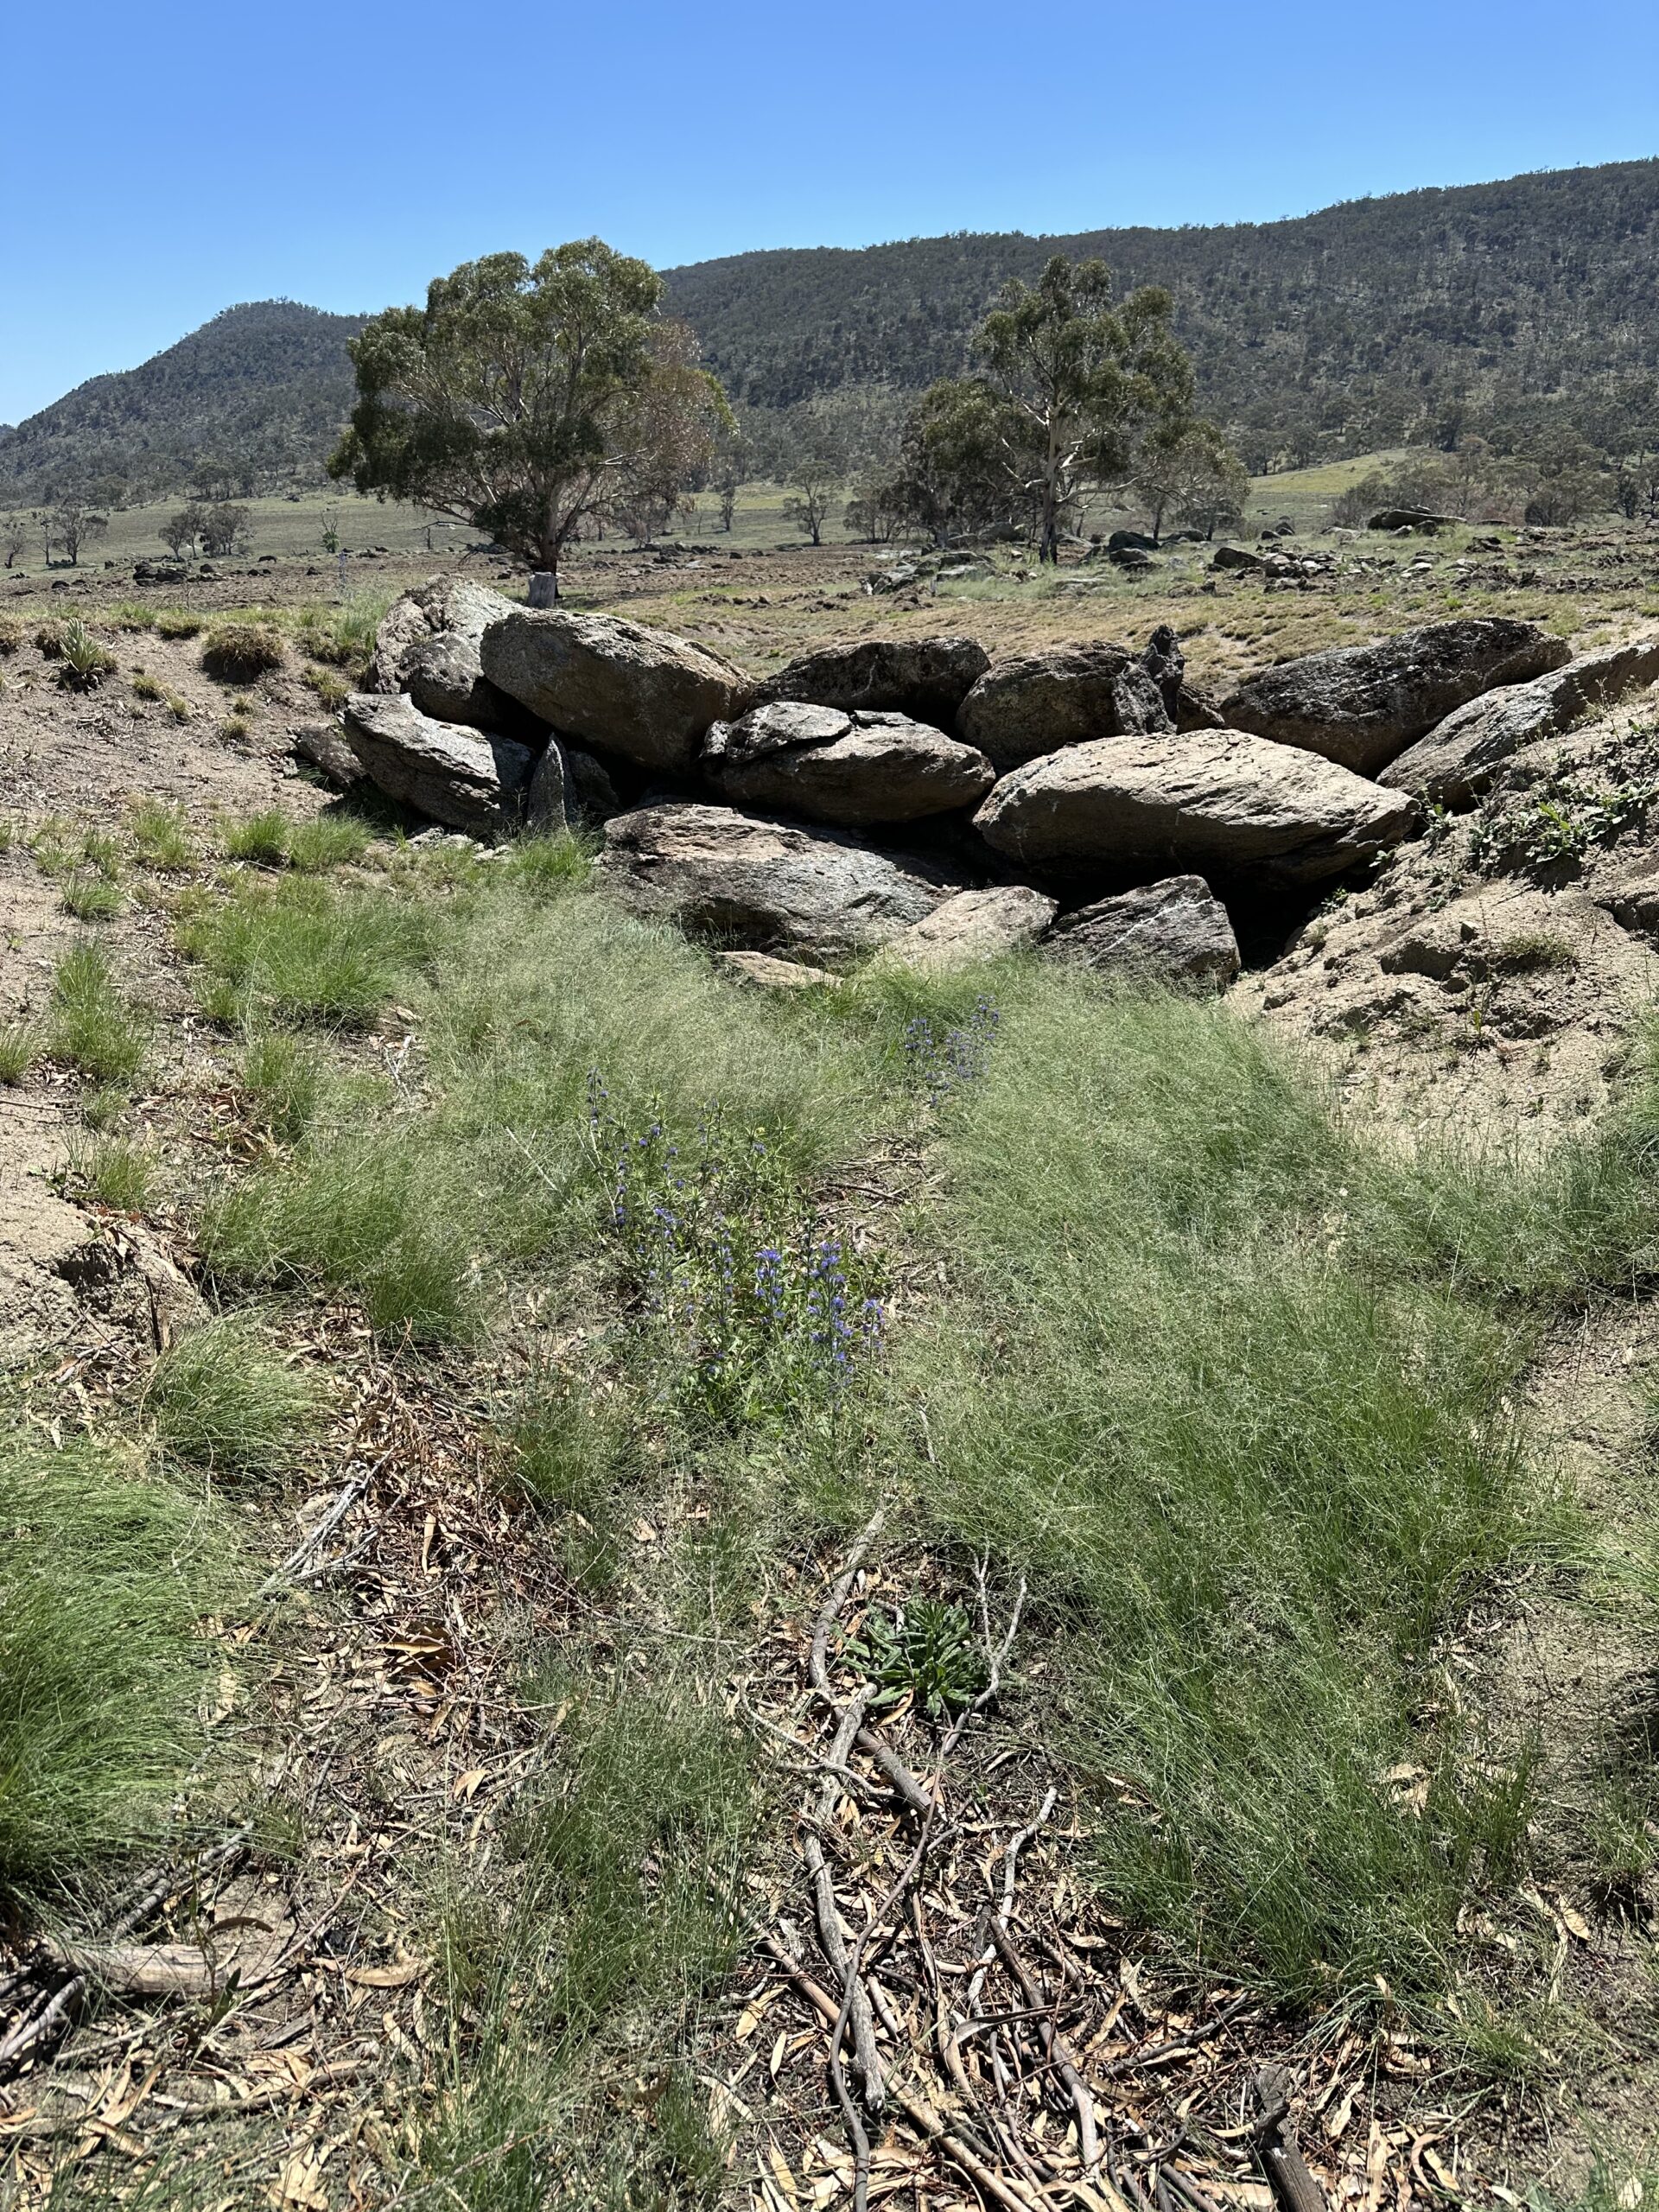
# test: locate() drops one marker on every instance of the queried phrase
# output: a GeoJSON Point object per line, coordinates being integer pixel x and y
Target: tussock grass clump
{"type": "Point", "coordinates": [104, 1575]}
{"type": "Point", "coordinates": [283, 1080]}
{"type": "Point", "coordinates": [626, 1903]}
{"type": "Point", "coordinates": [161, 837]}
{"type": "Point", "coordinates": [1253, 1462]}
{"type": "Point", "coordinates": [303, 948]}
{"type": "Point", "coordinates": [20, 1047]}
{"type": "Point", "coordinates": [241, 652]}
{"type": "Point", "coordinates": [115, 1172]}
{"type": "Point", "coordinates": [260, 838]}
{"type": "Point", "coordinates": [221, 1398]}
{"type": "Point", "coordinates": [343, 636]}
{"type": "Point", "coordinates": [174, 622]}
{"type": "Point", "coordinates": [271, 840]}
{"type": "Point", "coordinates": [131, 615]}
{"type": "Point", "coordinates": [11, 635]}
{"type": "Point", "coordinates": [92, 1025]}
{"type": "Point", "coordinates": [91, 897]}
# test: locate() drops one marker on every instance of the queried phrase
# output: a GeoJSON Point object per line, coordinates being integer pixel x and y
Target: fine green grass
{"type": "Point", "coordinates": [161, 837]}
{"type": "Point", "coordinates": [93, 897]}
{"type": "Point", "coordinates": [271, 839]}
{"type": "Point", "coordinates": [20, 1047]}
{"type": "Point", "coordinates": [115, 1172]}
{"type": "Point", "coordinates": [92, 1025]}
{"type": "Point", "coordinates": [104, 1574]}
{"type": "Point", "coordinates": [221, 1399]}
{"type": "Point", "coordinates": [304, 948]}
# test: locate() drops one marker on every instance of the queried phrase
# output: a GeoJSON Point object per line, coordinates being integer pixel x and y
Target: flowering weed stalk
{"type": "Point", "coordinates": [755, 1311]}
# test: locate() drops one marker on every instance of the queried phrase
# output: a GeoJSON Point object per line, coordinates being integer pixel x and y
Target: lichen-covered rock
{"type": "Point", "coordinates": [764, 884]}
{"type": "Point", "coordinates": [925, 678]}
{"type": "Point", "coordinates": [974, 925]}
{"type": "Point", "coordinates": [463, 779]}
{"type": "Point", "coordinates": [1175, 932]}
{"type": "Point", "coordinates": [1219, 799]}
{"type": "Point", "coordinates": [442, 605]}
{"type": "Point", "coordinates": [1034, 703]}
{"type": "Point", "coordinates": [1362, 705]}
{"type": "Point", "coordinates": [1457, 760]}
{"type": "Point", "coordinates": [618, 686]}
{"type": "Point", "coordinates": [855, 770]}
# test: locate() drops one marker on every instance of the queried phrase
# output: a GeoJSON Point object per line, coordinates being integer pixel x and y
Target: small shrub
{"type": "Point", "coordinates": [93, 1028]}
{"type": "Point", "coordinates": [116, 1173]}
{"type": "Point", "coordinates": [161, 836]}
{"type": "Point", "coordinates": [174, 622]}
{"type": "Point", "coordinates": [93, 897]}
{"type": "Point", "coordinates": [241, 652]}
{"type": "Point", "coordinates": [147, 686]}
{"type": "Point", "coordinates": [221, 1398]}
{"type": "Point", "coordinates": [262, 838]}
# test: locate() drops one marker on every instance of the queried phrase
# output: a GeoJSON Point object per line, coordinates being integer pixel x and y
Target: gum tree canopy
{"type": "Point", "coordinates": [525, 399]}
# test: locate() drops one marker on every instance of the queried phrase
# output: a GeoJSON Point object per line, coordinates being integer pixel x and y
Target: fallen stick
{"type": "Point", "coordinates": [1054, 2046]}
{"type": "Point", "coordinates": [920, 2116]}
{"type": "Point", "coordinates": [1284, 2166]}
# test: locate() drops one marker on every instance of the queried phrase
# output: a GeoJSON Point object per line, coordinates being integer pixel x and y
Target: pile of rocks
{"type": "Point", "coordinates": [913, 798]}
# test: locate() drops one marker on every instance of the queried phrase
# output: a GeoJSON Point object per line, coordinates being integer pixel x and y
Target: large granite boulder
{"type": "Point", "coordinates": [1362, 705]}
{"type": "Point", "coordinates": [925, 678]}
{"type": "Point", "coordinates": [463, 779]}
{"type": "Point", "coordinates": [442, 606]}
{"type": "Point", "coordinates": [1175, 932]}
{"type": "Point", "coordinates": [616, 685]}
{"type": "Point", "coordinates": [853, 770]}
{"type": "Point", "coordinates": [974, 925]}
{"type": "Point", "coordinates": [1461, 757]}
{"type": "Point", "coordinates": [741, 878]}
{"type": "Point", "coordinates": [1223, 800]}
{"type": "Point", "coordinates": [1034, 703]}
{"type": "Point", "coordinates": [428, 646]}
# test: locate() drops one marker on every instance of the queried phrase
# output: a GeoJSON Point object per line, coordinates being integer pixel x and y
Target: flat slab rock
{"type": "Point", "coordinates": [853, 770]}
{"type": "Point", "coordinates": [1175, 932]}
{"type": "Point", "coordinates": [618, 686]}
{"type": "Point", "coordinates": [926, 677]}
{"type": "Point", "coordinates": [761, 884]}
{"type": "Point", "coordinates": [463, 779]}
{"type": "Point", "coordinates": [974, 925]}
{"type": "Point", "coordinates": [1362, 705]}
{"type": "Point", "coordinates": [1456, 763]}
{"type": "Point", "coordinates": [763, 972]}
{"type": "Point", "coordinates": [1222, 799]}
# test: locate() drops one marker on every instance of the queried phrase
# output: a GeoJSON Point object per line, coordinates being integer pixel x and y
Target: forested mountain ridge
{"type": "Point", "coordinates": [1369, 324]}
{"type": "Point", "coordinates": [1515, 308]}
{"type": "Point", "coordinates": [259, 392]}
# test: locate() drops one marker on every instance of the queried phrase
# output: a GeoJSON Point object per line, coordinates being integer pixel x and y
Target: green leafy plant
{"type": "Point", "coordinates": [83, 662]}
{"type": "Point", "coordinates": [926, 1651]}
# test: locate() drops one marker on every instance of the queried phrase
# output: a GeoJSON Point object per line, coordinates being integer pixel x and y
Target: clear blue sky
{"type": "Point", "coordinates": [158, 163]}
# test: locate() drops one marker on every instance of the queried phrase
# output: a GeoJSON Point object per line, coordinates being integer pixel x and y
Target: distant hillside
{"type": "Point", "coordinates": [1369, 324]}
{"type": "Point", "coordinates": [263, 388]}
{"type": "Point", "coordinates": [1509, 308]}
